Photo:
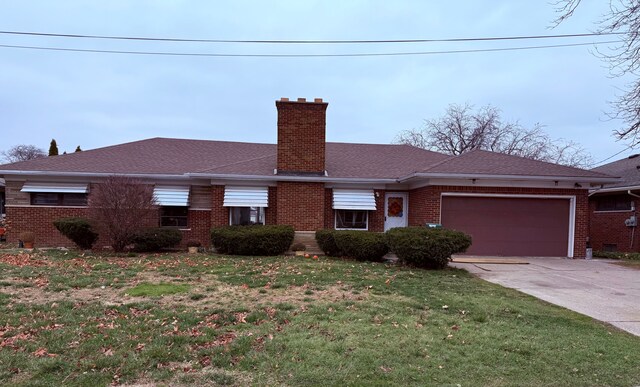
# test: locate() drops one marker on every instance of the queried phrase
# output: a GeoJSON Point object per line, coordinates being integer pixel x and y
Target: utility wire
{"type": "Point", "coordinates": [524, 37]}
{"type": "Point", "coordinates": [610, 157]}
{"type": "Point", "coordinates": [202, 54]}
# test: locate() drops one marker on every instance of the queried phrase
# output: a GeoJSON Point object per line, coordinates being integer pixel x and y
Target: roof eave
{"type": "Point", "coordinates": [599, 180]}
{"type": "Point", "coordinates": [312, 179]}
{"type": "Point", "coordinates": [614, 189]}
{"type": "Point", "coordinates": [93, 174]}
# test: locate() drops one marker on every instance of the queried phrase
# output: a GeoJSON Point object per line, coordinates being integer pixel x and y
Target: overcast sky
{"type": "Point", "coordinates": [97, 99]}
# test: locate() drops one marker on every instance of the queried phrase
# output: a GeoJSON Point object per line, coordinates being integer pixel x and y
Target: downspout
{"type": "Point", "coordinates": [633, 229]}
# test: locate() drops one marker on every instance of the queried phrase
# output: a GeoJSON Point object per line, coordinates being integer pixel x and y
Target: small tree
{"type": "Point", "coordinates": [22, 153]}
{"type": "Point", "coordinates": [53, 148]}
{"type": "Point", "coordinates": [121, 207]}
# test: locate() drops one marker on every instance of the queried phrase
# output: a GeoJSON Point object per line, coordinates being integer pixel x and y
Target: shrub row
{"type": "Point", "coordinates": [252, 240]}
{"type": "Point", "coordinates": [78, 230]}
{"type": "Point", "coordinates": [427, 248]}
{"type": "Point", "coordinates": [156, 239]}
{"type": "Point", "coordinates": [415, 246]}
{"type": "Point", "coordinates": [617, 255]}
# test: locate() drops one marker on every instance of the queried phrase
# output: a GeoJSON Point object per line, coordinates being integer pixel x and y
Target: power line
{"type": "Point", "coordinates": [524, 37]}
{"type": "Point", "coordinates": [219, 55]}
{"type": "Point", "coordinates": [610, 157]}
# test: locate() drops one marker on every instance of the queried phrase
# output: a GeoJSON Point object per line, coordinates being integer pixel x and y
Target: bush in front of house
{"type": "Point", "coordinates": [617, 255]}
{"type": "Point", "coordinates": [426, 248]}
{"type": "Point", "coordinates": [156, 239]}
{"type": "Point", "coordinates": [361, 245]}
{"type": "Point", "coordinates": [327, 243]}
{"type": "Point", "coordinates": [252, 240]}
{"type": "Point", "coordinates": [78, 230]}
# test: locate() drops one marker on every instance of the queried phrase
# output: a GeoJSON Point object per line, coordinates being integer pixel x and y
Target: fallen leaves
{"type": "Point", "coordinates": [42, 352]}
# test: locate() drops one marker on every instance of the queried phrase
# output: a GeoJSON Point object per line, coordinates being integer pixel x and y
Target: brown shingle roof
{"type": "Point", "coordinates": [628, 169]}
{"type": "Point", "coordinates": [369, 161]}
{"type": "Point", "coordinates": [483, 162]}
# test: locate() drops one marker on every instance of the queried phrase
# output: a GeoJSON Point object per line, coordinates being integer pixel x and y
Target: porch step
{"type": "Point", "coordinates": [307, 238]}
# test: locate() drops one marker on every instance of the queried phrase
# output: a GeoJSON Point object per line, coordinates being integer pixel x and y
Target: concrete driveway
{"type": "Point", "coordinates": [596, 288]}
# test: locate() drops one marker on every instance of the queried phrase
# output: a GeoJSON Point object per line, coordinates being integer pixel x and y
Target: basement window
{"type": "Point", "coordinates": [245, 216]}
{"type": "Point", "coordinates": [174, 216]}
{"type": "Point", "coordinates": [58, 199]}
{"type": "Point", "coordinates": [613, 203]}
{"type": "Point", "coordinates": [352, 220]}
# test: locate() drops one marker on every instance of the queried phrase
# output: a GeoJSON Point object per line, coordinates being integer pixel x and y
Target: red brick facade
{"type": "Point", "coordinates": [301, 136]}
{"type": "Point", "coordinates": [607, 230]}
{"type": "Point", "coordinates": [424, 206]}
{"type": "Point", "coordinates": [301, 205]}
{"type": "Point", "coordinates": [39, 220]}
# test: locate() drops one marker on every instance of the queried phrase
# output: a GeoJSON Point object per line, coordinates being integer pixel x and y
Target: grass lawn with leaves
{"type": "Point", "coordinates": [90, 320]}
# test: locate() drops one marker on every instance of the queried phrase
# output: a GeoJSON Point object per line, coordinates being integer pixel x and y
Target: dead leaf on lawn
{"type": "Point", "coordinates": [385, 369]}
{"type": "Point", "coordinates": [42, 352]}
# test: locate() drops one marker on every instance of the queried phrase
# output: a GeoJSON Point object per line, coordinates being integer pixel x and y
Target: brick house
{"type": "Point", "coordinates": [510, 205]}
{"type": "Point", "coordinates": [612, 207]}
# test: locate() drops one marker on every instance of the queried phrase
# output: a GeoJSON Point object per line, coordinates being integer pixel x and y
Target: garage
{"type": "Point", "coordinates": [513, 225]}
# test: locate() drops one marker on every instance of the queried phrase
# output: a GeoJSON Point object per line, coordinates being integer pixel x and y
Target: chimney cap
{"type": "Point", "coordinates": [284, 99]}
{"type": "Point", "coordinates": [302, 99]}
{"type": "Point", "coordinates": [317, 100]}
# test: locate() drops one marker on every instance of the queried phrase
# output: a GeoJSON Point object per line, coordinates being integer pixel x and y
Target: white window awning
{"type": "Point", "coordinates": [246, 196]}
{"type": "Point", "coordinates": [354, 199]}
{"type": "Point", "coordinates": [171, 195]}
{"type": "Point", "coordinates": [55, 187]}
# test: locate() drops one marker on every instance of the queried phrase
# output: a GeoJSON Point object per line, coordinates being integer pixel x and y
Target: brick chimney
{"type": "Point", "coordinates": [301, 136]}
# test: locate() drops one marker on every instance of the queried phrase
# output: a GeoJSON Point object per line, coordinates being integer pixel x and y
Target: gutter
{"type": "Point", "coordinates": [510, 177]}
{"type": "Point", "coordinates": [313, 179]}
{"type": "Point", "coordinates": [92, 174]}
{"type": "Point", "coordinates": [615, 189]}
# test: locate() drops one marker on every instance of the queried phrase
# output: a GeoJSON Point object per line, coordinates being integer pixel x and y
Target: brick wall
{"type": "Point", "coordinates": [39, 220]}
{"type": "Point", "coordinates": [271, 212]}
{"type": "Point", "coordinates": [424, 206]}
{"type": "Point", "coordinates": [199, 225]}
{"type": "Point", "coordinates": [301, 135]}
{"type": "Point", "coordinates": [219, 214]}
{"type": "Point", "coordinates": [301, 205]}
{"type": "Point", "coordinates": [609, 228]}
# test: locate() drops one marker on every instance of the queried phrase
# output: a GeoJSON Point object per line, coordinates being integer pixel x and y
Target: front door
{"type": "Point", "coordinates": [395, 210]}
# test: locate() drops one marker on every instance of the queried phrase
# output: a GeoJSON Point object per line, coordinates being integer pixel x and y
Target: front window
{"type": "Point", "coordinates": [58, 199]}
{"type": "Point", "coordinates": [352, 219]}
{"type": "Point", "coordinates": [174, 216]}
{"type": "Point", "coordinates": [613, 203]}
{"type": "Point", "coordinates": [243, 216]}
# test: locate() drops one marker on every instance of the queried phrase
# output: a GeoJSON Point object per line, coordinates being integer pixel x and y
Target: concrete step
{"type": "Point", "coordinates": [308, 239]}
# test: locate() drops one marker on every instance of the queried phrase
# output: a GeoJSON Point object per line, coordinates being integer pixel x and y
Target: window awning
{"type": "Point", "coordinates": [171, 195]}
{"type": "Point", "coordinates": [354, 199]}
{"type": "Point", "coordinates": [55, 187]}
{"type": "Point", "coordinates": [246, 197]}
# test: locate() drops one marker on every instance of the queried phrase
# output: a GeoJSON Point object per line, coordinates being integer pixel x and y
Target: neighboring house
{"type": "Point", "coordinates": [2, 199]}
{"type": "Point", "coordinates": [510, 205]}
{"type": "Point", "coordinates": [613, 223]}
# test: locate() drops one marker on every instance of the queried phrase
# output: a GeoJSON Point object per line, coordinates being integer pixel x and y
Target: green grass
{"type": "Point", "coordinates": [157, 290]}
{"type": "Point", "coordinates": [276, 320]}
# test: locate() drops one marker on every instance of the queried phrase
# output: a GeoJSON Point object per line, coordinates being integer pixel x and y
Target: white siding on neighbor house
{"type": "Point", "coordinates": [55, 187]}
{"type": "Point", "coordinates": [171, 195]}
{"type": "Point", "coordinates": [354, 199]}
{"type": "Point", "coordinates": [246, 196]}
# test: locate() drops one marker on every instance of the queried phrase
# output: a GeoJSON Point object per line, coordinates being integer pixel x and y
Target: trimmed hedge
{"type": "Point", "coordinates": [156, 239]}
{"type": "Point", "coordinates": [617, 255]}
{"type": "Point", "coordinates": [79, 230]}
{"type": "Point", "coordinates": [327, 243]}
{"type": "Point", "coordinates": [362, 245]}
{"type": "Point", "coordinates": [427, 248]}
{"type": "Point", "coordinates": [252, 240]}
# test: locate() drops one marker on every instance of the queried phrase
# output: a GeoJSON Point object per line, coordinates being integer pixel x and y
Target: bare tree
{"type": "Point", "coordinates": [461, 129]}
{"type": "Point", "coordinates": [120, 207]}
{"type": "Point", "coordinates": [22, 153]}
{"type": "Point", "coordinates": [623, 18]}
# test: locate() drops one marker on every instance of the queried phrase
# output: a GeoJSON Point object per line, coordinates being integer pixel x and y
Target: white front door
{"type": "Point", "coordinates": [395, 210]}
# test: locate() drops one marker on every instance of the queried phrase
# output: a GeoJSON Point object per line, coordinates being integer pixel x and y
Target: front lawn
{"type": "Point", "coordinates": [214, 320]}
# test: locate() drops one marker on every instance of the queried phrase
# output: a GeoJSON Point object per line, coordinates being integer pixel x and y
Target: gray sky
{"type": "Point", "coordinates": [95, 99]}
